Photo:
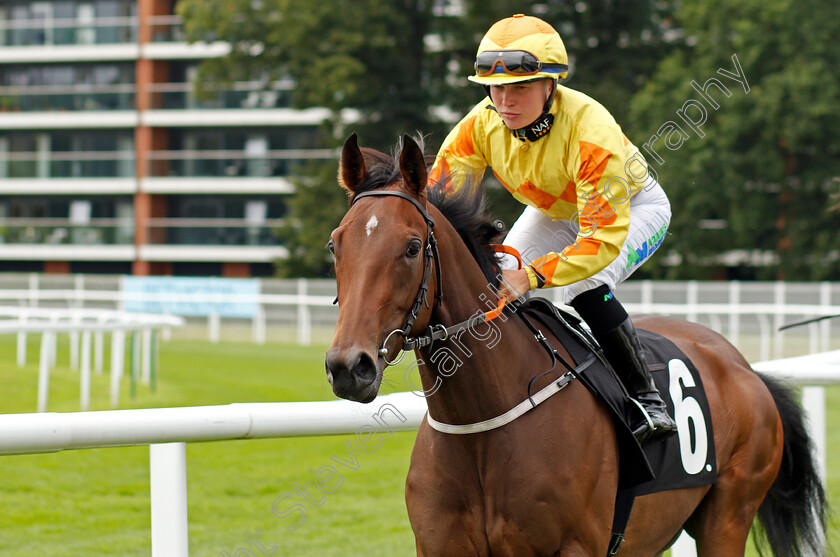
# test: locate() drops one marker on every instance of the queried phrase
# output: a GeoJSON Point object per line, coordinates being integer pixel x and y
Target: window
{"type": "Point", "coordinates": [64, 22]}
{"type": "Point", "coordinates": [67, 154]}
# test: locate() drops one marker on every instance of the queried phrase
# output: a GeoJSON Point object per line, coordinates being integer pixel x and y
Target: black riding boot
{"type": "Point", "coordinates": [623, 349]}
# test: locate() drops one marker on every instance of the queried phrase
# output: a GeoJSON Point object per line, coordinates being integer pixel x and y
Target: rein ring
{"type": "Point", "coordinates": [384, 350]}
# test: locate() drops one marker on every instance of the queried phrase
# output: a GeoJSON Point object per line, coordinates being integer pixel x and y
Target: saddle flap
{"type": "Point", "coordinates": [683, 460]}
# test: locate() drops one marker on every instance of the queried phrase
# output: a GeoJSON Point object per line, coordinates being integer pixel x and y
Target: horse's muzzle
{"type": "Point", "coordinates": [353, 374]}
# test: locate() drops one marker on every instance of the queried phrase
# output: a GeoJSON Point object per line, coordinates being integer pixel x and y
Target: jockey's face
{"type": "Point", "coordinates": [519, 104]}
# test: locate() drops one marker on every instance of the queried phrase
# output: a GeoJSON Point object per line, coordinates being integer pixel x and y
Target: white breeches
{"type": "Point", "coordinates": [534, 234]}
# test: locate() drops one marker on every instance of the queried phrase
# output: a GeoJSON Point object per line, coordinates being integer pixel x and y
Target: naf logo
{"type": "Point", "coordinates": [540, 128]}
{"type": "Point", "coordinates": [536, 130]}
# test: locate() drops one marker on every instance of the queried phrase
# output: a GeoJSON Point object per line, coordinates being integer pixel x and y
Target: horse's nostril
{"type": "Point", "coordinates": [365, 370]}
{"type": "Point", "coordinates": [352, 374]}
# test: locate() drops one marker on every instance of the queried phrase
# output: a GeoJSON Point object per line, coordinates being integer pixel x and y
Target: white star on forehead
{"type": "Point", "coordinates": [371, 224]}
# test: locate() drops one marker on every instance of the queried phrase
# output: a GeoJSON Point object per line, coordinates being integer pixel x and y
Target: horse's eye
{"type": "Point", "coordinates": [331, 246]}
{"type": "Point", "coordinates": [413, 249]}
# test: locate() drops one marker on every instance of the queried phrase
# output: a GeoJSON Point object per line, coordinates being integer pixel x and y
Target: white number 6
{"type": "Point", "coordinates": [685, 410]}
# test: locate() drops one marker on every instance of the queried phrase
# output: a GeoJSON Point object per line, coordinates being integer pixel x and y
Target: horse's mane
{"type": "Point", "coordinates": [464, 208]}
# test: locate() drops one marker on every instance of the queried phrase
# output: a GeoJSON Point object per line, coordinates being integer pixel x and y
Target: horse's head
{"type": "Point", "coordinates": [381, 261]}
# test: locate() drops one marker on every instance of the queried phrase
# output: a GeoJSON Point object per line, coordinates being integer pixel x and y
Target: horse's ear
{"type": "Point", "coordinates": [352, 168]}
{"type": "Point", "coordinates": [413, 166]}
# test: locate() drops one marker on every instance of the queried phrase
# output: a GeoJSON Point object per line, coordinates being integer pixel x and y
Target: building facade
{"type": "Point", "coordinates": [110, 164]}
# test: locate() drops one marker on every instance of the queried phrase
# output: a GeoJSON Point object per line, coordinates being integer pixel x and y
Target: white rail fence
{"type": "Point", "coordinates": [736, 309]}
{"type": "Point", "coordinates": [166, 430]}
{"type": "Point", "coordinates": [86, 329]}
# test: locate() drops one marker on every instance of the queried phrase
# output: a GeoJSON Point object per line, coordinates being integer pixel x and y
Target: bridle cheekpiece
{"type": "Point", "coordinates": [430, 256]}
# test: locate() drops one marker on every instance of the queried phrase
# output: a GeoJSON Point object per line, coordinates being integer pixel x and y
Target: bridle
{"type": "Point", "coordinates": [441, 332]}
{"type": "Point", "coordinates": [431, 257]}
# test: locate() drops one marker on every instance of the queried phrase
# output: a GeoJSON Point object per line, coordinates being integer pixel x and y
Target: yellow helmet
{"type": "Point", "coordinates": [520, 48]}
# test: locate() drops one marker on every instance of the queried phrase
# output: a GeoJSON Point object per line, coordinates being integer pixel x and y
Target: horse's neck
{"type": "Point", "coordinates": [482, 371]}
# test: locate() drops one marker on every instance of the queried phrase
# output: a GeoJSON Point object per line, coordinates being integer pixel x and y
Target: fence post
{"type": "Point", "coordinates": [79, 291]}
{"type": "Point", "coordinates": [74, 345]}
{"type": "Point", "coordinates": [168, 488]}
{"type": "Point", "coordinates": [154, 358]}
{"type": "Point", "coordinates": [258, 320]}
{"type": "Point", "coordinates": [213, 325]}
{"type": "Point", "coordinates": [813, 402]}
{"type": "Point", "coordinates": [53, 348]}
{"type": "Point", "coordinates": [691, 300]}
{"type": "Point", "coordinates": [44, 371]}
{"type": "Point", "coordinates": [765, 336]}
{"type": "Point", "coordinates": [304, 316]}
{"type": "Point", "coordinates": [117, 364]}
{"type": "Point", "coordinates": [779, 336]}
{"type": "Point", "coordinates": [684, 546]}
{"type": "Point", "coordinates": [98, 351]}
{"type": "Point", "coordinates": [21, 344]}
{"type": "Point", "coordinates": [647, 296]}
{"type": "Point", "coordinates": [825, 326]}
{"type": "Point", "coordinates": [134, 358]}
{"type": "Point", "coordinates": [34, 288]}
{"type": "Point", "coordinates": [84, 382]}
{"type": "Point", "coordinates": [146, 356]}
{"type": "Point", "coordinates": [121, 294]}
{"type": "Point", "coordinates": [258, 326]}
{"type": "Point", "coordinates": [735, 314]}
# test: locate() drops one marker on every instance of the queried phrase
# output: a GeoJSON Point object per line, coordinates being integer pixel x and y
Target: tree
{"type": "Point", "coordinates": [755, 177]}
{"type": "Point", "coordinates": [613, 48]}
{"type": "Point", "coordinates": [386, 68]}
{"type": "Point", "coordinates": [364, 60]}
{"type": "Point", "coordinates": [318, 205]}
{"type": "Point", "coordinates": [365, 55]}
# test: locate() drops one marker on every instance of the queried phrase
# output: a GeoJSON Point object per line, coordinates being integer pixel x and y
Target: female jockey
{"type": "Point", "coordinates": [593, 212]}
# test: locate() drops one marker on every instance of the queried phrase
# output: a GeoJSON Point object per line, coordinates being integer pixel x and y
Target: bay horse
{"type": "Point", "coordinates": [410, 259]}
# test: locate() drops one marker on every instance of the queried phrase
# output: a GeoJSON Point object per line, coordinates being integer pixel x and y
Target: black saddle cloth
{"type": "Point", "coordinates": [686, 459]}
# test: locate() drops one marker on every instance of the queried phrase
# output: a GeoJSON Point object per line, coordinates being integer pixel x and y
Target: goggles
{"type": "Point", "coordinates": [514, 62]}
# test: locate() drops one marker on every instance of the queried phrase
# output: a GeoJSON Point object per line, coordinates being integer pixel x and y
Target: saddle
{"type": "Point", "coordinates": [660, 464]}
{"type": "Point", "coordinates": [683, 460]}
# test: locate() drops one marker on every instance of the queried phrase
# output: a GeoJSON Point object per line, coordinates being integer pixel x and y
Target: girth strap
{"type": "Point", "coordinates": [525, 406]}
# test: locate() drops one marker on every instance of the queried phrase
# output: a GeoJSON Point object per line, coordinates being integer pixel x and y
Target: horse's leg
{"type": "Point", "coordinates": [450, 538]}
{"type": "Point", "coordinates": [443, 505]}
{"type": "Point", "coordinates": [722, 522]}
{"type": "Point", "coordinates": [657, 519]}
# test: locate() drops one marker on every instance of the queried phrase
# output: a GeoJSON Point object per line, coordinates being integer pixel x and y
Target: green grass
{"type": "Point", "coordinates": [96, 502]}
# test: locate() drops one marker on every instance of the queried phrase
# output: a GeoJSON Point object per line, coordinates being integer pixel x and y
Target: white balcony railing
{"type": "Point", "coordinates": [54, 232]}
{"type": "Point", "coordinates": [67, 164]}
{"type": "Point", "coordinates": [48, 31]}
{"type": "Point", "coordinates": [231, 162]}
{"type": "Point", "coordinates": [244, 94]}
{"type": "Point", "coordinates": [47, 98]}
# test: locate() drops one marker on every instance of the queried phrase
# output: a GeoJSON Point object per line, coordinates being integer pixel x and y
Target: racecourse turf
{"type": "Point", "coordinates": [95, 502]}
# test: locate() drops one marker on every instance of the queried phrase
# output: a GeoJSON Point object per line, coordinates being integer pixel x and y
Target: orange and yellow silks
{"type": "Point", "coordinates": [584, 171]}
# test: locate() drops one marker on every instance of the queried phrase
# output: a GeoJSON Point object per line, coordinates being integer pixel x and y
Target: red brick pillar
{"type": "Point", "coordinates": [236, 270]}
{"type": "Point", "coordinates": [57, 267]}
{"type": "Point", "coordinates": [146, 139]}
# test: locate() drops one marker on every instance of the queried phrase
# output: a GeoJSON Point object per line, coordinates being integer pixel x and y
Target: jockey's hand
{"type": "Point", "coordinates": [514, 284]}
